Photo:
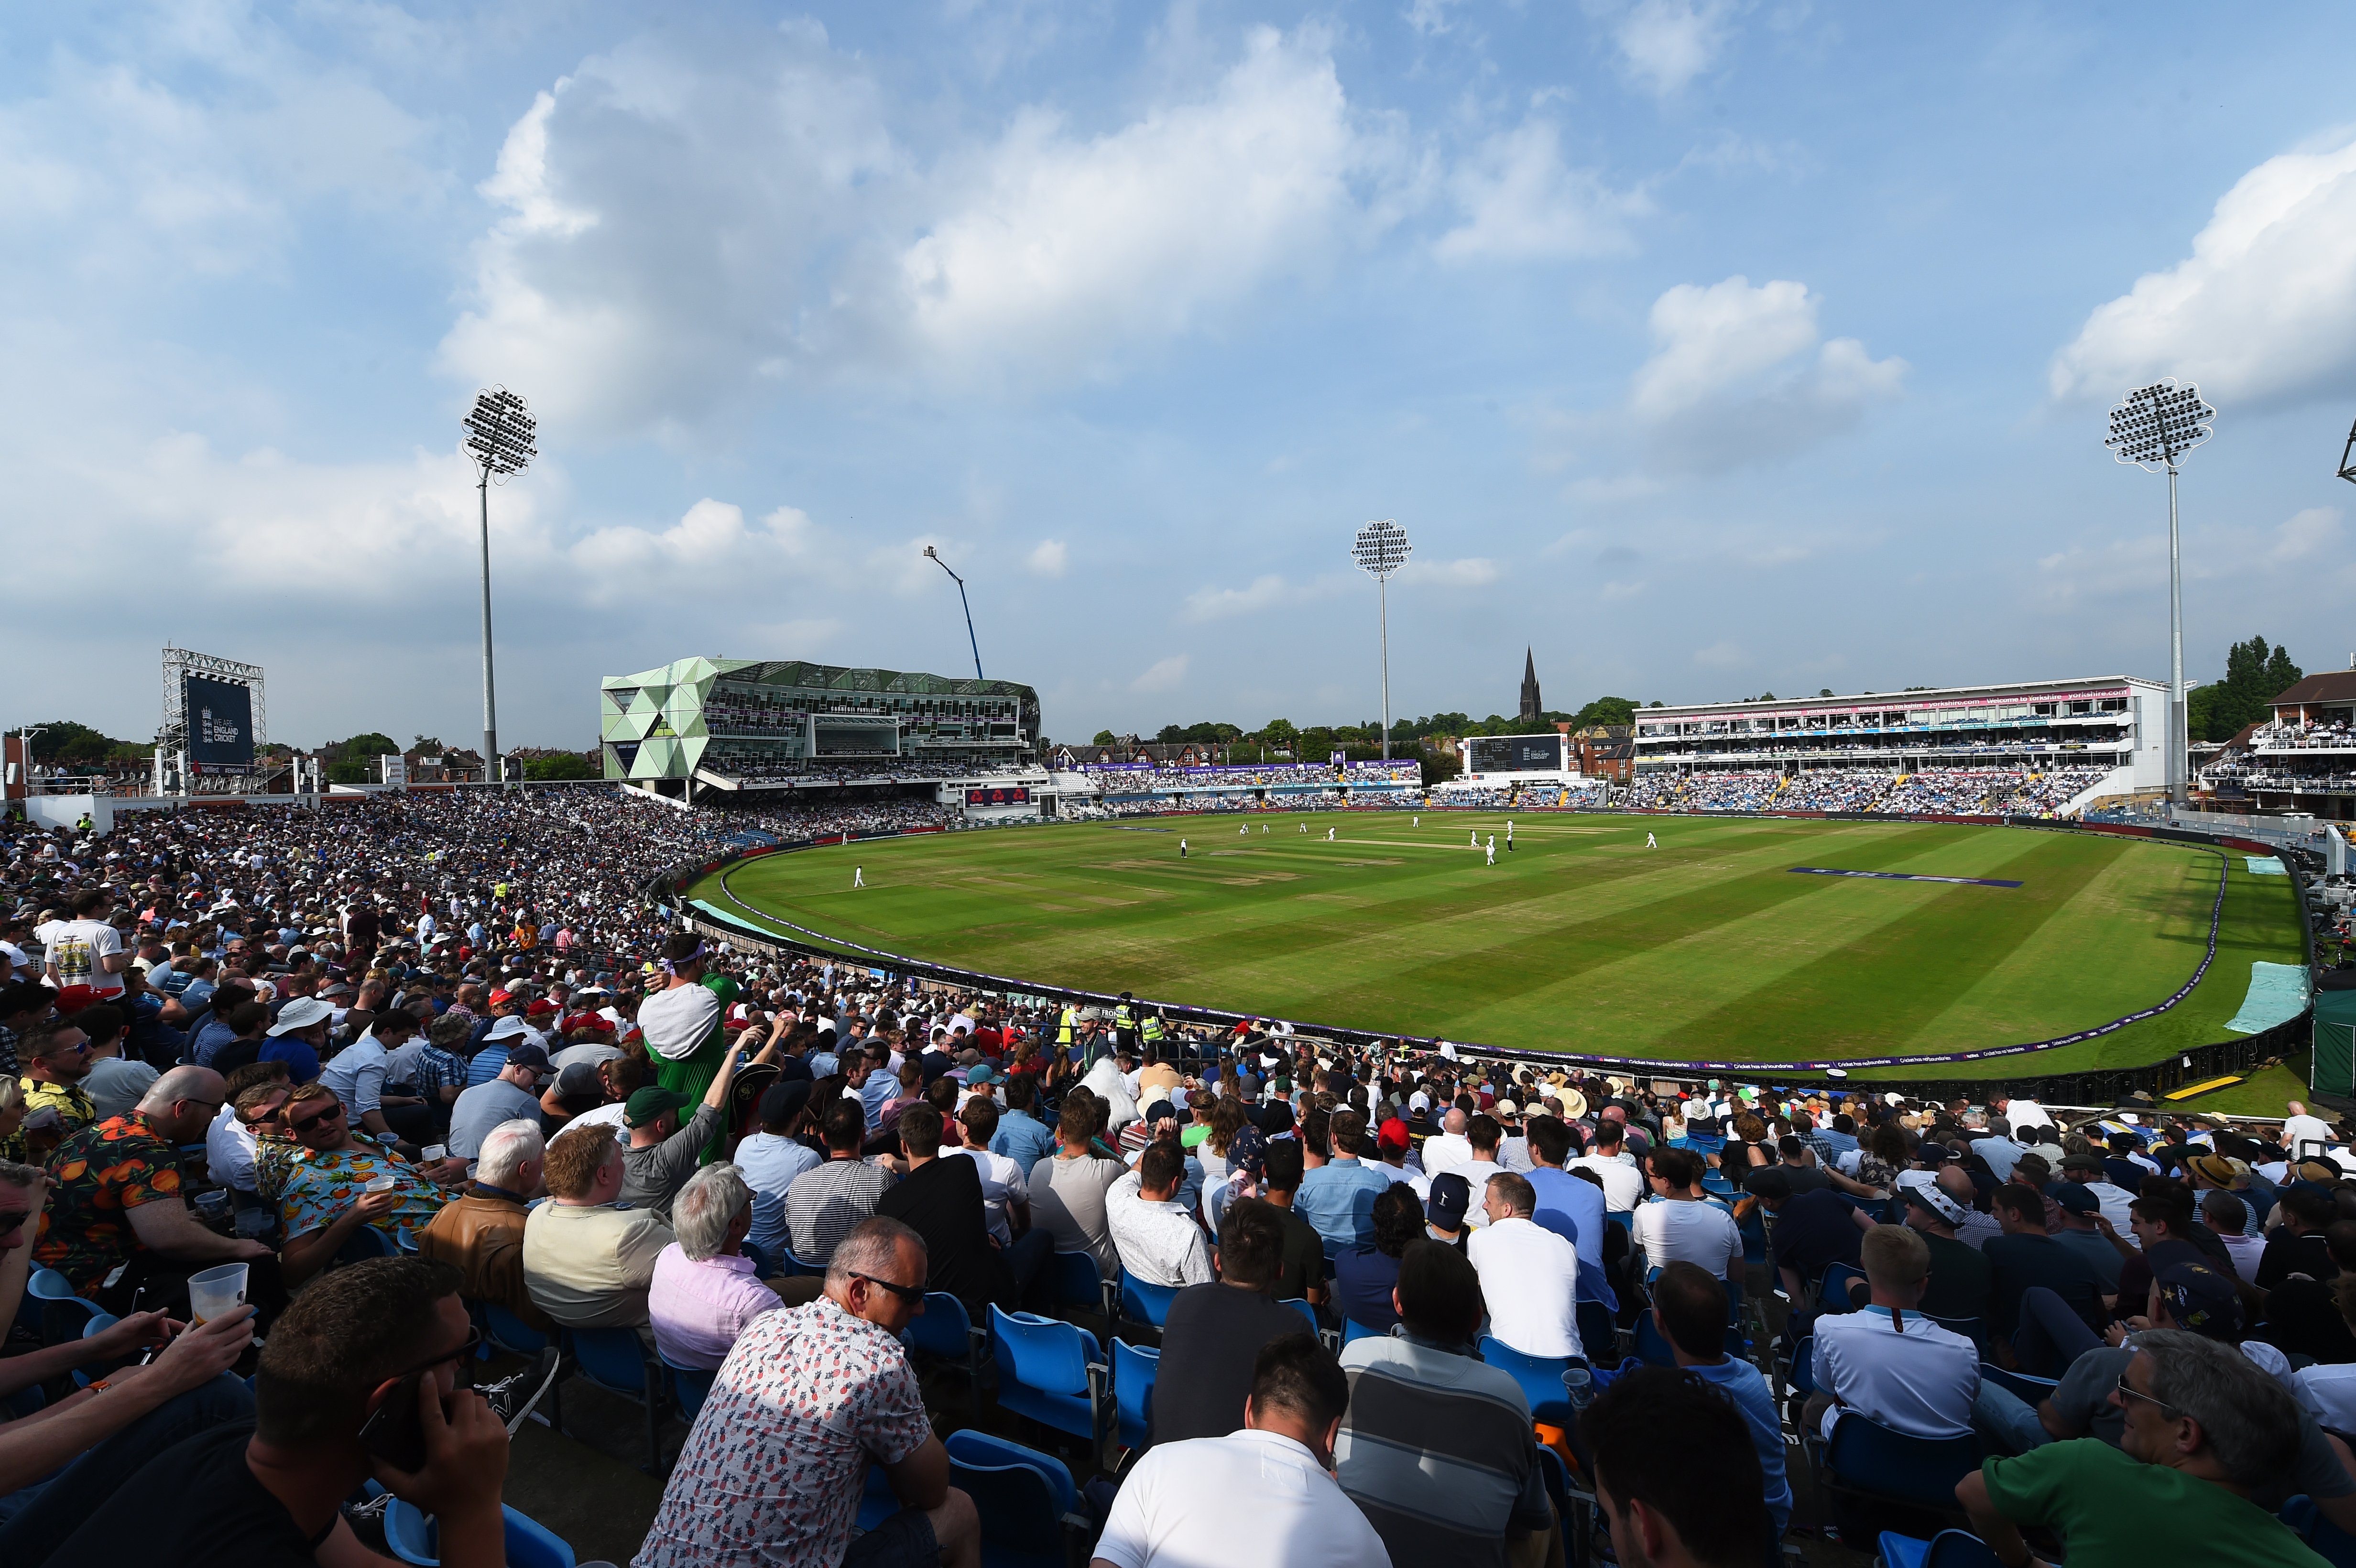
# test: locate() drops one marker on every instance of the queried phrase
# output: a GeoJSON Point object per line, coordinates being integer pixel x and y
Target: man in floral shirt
{"type": "Point", "coordinates": [115, 1195]}
{"type": "Point", "coordinates": [809, 1398]}
{"type": "Point", "coordinates": [320, 1182]}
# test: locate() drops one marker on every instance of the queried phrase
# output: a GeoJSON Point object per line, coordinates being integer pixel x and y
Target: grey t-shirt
{"type": "Point", "coordinates": [484, 1106]}
{"type": "Point", "coordinates": [652, 1175]}
{"type": "Point", "coordinates": [2083, 1400]}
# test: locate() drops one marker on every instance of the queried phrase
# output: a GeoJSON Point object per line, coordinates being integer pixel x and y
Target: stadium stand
{"type": "Point", "coordinates": [510, 921]}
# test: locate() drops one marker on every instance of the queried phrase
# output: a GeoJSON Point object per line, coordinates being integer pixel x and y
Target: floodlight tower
{"type": "Point", "coordinates": [1381, 549]}
{"type": "Point", "coordinates": [2152, 427]}
{"type": "Point", "coordinates": [935, 557]}
{"type": "Point", "coordinates": [498, 433]}
{"type": "Point", "coordinates": [2348, 457]}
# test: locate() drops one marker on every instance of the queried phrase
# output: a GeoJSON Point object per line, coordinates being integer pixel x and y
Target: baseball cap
{"type": "Point", "coordinates": [1158, 1109]}
{"type": "Point", "coordinates": [2201, 1299]}
{"type": "Point", "coordinates": [782, 1102]}
{"type": "Point", "coordinates": [1922, 1189]}
{"type": "Point", "coordinates": [73, 998]}
{"type": "Point", "coordinates": [542, 1008]}
{"type": "Point", "coordinates": [2075, 1198]}
{"type": "Point", "coordinates": [531, 1054]}
{"type": "Point", "coordinates": [1394, 1135]}
{"type": "Point", "coordinates": [302, 1013]}
{"type": "Point", "coordinates": [507, 1028]}
{"type": "Point", "coordinates": [1452, 1195]}
{"type": "Point", "coordinates": [977, 1075]}
{"type": "Point", "coordinates": [648, 1103]}
{"type": "Point", "coordinates": [498, 999]}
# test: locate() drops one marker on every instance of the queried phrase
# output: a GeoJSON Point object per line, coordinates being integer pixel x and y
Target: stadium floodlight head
{"type": "Point", "coordinates": [2153, 427]}
{"type": "Point", "coordinates": [1381, 549]}
{"type": "Point", "coordinates": [500, 432]}
{"type": "Point", "coordinates": [935, 557]}
{"type": "Point", "coordinates": [2348, 457]}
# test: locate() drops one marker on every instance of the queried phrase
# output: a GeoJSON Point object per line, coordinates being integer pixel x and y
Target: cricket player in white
{"type": "Point", "coordinates": [1651, 842]}
{"type": "Point", "coordinates": [858, 876]}
{"type": "Point", "coordinates": [1492, 848]}
{"type": "Point", "coordinates": [1329, 835]}
{"type": "Point", "coordinates": [1182, 848]}
{"type": "Point", "coordinates": [1476, 839]}
{"type": "Point", "coordinates": [1509, 833]}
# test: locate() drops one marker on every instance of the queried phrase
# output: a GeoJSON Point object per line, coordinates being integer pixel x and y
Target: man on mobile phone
{"type": "Point", "coordinates": [357, 1351]}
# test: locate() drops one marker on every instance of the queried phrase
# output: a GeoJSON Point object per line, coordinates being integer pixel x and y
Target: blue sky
{"type": "Point", "coordinates": [1706, 347]}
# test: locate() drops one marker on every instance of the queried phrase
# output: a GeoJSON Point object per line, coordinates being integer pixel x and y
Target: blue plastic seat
{"type": "Point", "coordinates": [1948, 1549]}
{"type": "Point", "coordinates": [1146, 1303]}
{"type": "Point", "coordinates": [98, 1324]}
{"type": "Point", "coordinates": [1803, 1364]}
{"type": "Point", "coordinates": [1354, 1330]}
{"type": "Point", "coordinates": [530, 1544]}
{"type": "Point", "coordinates": [1832, 1290]}
{"type": "Point", "coordinates": [1307, 1311]}
{"type": "Point", "coordinates": [2323, 1538]}
{"type": "Point", "coordinates": [1540, 1377]}
{"type": "Point", "coordinates": [761, 1267]}
{"type": "Point", "coordinates": [1050, 1371]}
{"type": "Point", "coordinates": [1133, 1370]}
{"type": "Point", "coordinates": [511, 1333]}
{"type": "Point", "coordinates": [53, 1311]}
{"type": "Point", "coordinates": [2026, 1388]}
{"type": "Point", "coordinates": [366, 1241]}
{"type": "Point", "coordinates": [795, 1265]}
{"type": "Point", "coordinates": [689, 1386]}
{"type": "Point", "coordinates": [944, 1331]}
{"type": "Point", "coordinates": [1625, 1220]}
{"type": "Point", "coordinates": [1868, 1459]}
{"type": "Point", "coordinates": [615, 1360]}
{"type": "Point", "coordinates": [1021, 1495]}
{"type": "Point", "coordinates": [1972, 1328]}
{"type": "Point", "coordinates": [1074, 1279]}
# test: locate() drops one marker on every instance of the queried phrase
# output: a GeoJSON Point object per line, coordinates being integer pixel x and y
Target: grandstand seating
{"type": "Point", "coordinates": [1945, 792]}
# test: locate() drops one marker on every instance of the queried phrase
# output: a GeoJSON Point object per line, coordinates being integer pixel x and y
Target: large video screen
{"type": "Point", "coordinates": [1516, 754]}
{"type": "Point", "coordinates": [220, 722]}
{"type": "Point", "coordinates": [1015, 795]}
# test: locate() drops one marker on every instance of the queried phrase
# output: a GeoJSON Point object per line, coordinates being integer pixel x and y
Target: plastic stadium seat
{"type": "Point", "coordinates": [2323, 1538]}
{"type": "Point", "coordinates": [1050, 1371]}
{"type": "Point", "coordinates": [51, 1308]}
{"type": "Point", "coordinates": [1598, 1332]}
{"type": "Point", "coordinates": [1351, 1329]}
{"type": "Point", "coordinates": [1972, 1328]}
{"type": "Point", "coordinates": [795, 1267]}
{"type": "Point", "coordinates": [98, 1324]}
{"type": "Point", "coordinates": [365, 1243]}
{"type": "Point", "coordinates": [1540, 1377]}
{"type": "Point", "coordinates": [879, 1501]}
{"type": "Point", "coordinates": [1133, 1370]}
{"type": "Point", "coordinates": [689, 1386]}
{"type": "Point", "coordinates": [762, 1267]}
{"type": "Point", "coordinates": [1022, 1496]}
{"type": "Point", "coordinates": [944, 1330]}
{"type": "Point", "coordinates": [1803, 1364]}
{"type": "Point", "coordinates": [1146, 1303]}
{"type": "Point", "coordinates": [1306, 1311]}
{"type": "Point", "coordinates": [2028, 1388]}
{"type": "Point", "coordinates": [1626, 1221]}
{"type": "Point", "coordinates": [1948, 1549]}
{"type": "Point", "coordinates": [615, 1360]}
{"type": "Point", "coordinates": [1868, 1459]}
{"type": "Point", "coordinates": [1074, 1279]}
{"type": "Point", "coordinates": [412, 1538]}
{"type": "Point", "coordinates": [1832, 1290]}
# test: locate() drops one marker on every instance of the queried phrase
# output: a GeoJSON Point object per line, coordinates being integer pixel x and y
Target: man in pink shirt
{"type": "Point", "coordinates": [704, 1290]}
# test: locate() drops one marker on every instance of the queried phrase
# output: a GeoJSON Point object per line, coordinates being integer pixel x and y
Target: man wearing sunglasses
{"type": "Point", "coordinates": [806, 1400]}
{"type": "Point", "coordinates": [2203, 1428]}
{"type": "Point", "coordinates": [57, 1059]}
{"type": "Point", "coordinates": [361, 1345]}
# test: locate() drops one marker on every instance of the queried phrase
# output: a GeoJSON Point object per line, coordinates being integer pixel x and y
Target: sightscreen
{"type": "Point", "coordinates": [1517, 753]}
{"type": "Point", "coordinates": [220, 722]}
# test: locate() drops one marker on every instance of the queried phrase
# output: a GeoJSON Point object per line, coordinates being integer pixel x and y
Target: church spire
{"type": "Point", "coordinates": [1531, 706]}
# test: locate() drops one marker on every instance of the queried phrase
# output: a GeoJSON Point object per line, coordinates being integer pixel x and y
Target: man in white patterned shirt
{"type": "Point", "coordinates": [773, 1469]}
{"type": "Point", "coordinates": [1157, 1236]}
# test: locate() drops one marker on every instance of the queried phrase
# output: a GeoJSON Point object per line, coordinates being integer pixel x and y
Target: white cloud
{"type": "Point", "coordinates": [1523, 203]}
{"type": "Point", "coordinates": [1165, 675]}
{"type": "Point", "coordinates": [1223, 604]}
{"type": "Point", "coordinates": [680, 229]}
{"type": "Point", "coordinates": [1665, 44]}
{"type": "Point", "coordinates": [2306, 536]}
{"type": "Point", "coordinates": [1722, 655]}
{"type": "Point", "coordinates": [1474, 571]}
{"type": "Point", "coordinates": [1731, 378]}
{"type": "Point", "coordinates": [1048, 559]}
{"type": "Point", "coordinates": [2263, 309]}
{"type": "Point", "coordinates": [1429, 17]}
{"type": "Point", "coordinates": [1067, 250]}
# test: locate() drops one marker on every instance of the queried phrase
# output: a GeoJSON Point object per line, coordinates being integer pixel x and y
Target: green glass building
{"type": "Point", "coordinates": [738, 724]}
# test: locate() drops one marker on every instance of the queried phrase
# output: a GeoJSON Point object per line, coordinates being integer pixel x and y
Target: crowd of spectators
{"type": "Point", "coordinates": [1950, 791]}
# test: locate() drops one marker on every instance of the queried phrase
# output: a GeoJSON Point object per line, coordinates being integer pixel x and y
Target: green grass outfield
{"type": "Point", "coordinates": [1706, 948]}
